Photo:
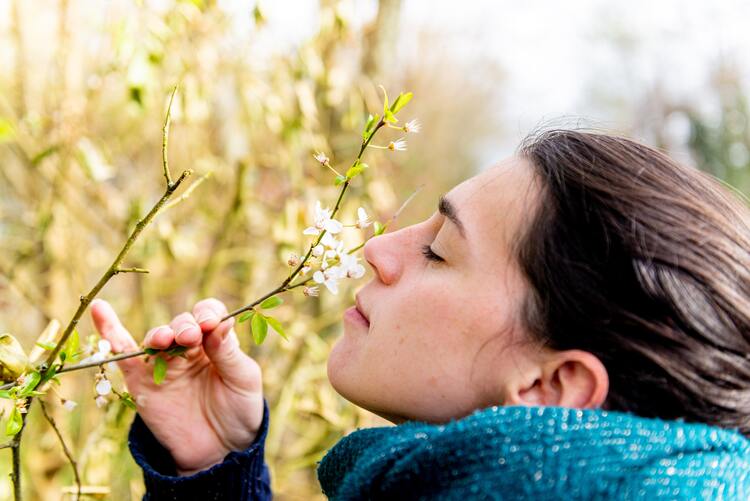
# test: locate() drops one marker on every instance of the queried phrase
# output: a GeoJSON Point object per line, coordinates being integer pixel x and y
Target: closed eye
{"type": "Point", "coordinates": [431, 256]}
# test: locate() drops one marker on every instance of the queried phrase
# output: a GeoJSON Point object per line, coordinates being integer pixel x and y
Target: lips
{"type": "Point", "coordinates": [361, 310]}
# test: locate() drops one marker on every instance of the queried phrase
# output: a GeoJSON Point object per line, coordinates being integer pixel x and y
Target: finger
{"type": "Point", "coordinates": [110, 328]}
{"type": "Point", "coordinates": [208, 313]}
{"type": "Point", "coordinates": [223, 349]}
{"type": "Point", "coordinates": [186, 330]}
{"type": "Point", "coordinates": [159, 338]}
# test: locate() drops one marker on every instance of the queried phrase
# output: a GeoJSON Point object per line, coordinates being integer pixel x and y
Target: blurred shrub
{"type": "Point", "coordinates": [80, 144]}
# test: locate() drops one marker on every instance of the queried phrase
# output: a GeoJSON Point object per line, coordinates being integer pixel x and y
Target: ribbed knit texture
{"type": "Point", "coordinates": [241, 476]}
{"type": "Point", "coordinates": [540, 453]}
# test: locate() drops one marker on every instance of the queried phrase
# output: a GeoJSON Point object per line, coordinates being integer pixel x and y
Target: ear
{"type": "Point", "coordinates": [571, 378]}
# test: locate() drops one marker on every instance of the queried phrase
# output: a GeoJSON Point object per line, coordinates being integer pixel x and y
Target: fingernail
{"type": "Point", "coordinates": [205, 317]}
{"type": "Point", "coordinates": [182, 329]}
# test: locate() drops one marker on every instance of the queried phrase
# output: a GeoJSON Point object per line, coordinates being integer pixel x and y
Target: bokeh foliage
{"type": "Point", "coordinates": [81, 111]}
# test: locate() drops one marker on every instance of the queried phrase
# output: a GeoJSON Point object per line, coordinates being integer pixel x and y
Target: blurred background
{"type": "Point", "coordinates": [83, 92]}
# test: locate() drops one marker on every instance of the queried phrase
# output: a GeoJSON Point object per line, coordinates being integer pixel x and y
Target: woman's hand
{"type": "Point", "coordinates": [210, 402]}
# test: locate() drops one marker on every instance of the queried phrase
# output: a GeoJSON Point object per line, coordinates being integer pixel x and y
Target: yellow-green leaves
{"type": "Point", "coordinates": [259, 322]}
{"type": "Point", "coordinates": [259, 327]}
{"type": "Point", "coordinates": [400, 102]}
{"type": "Point", "coordinates": [378, 228]}
{"type": "Point", "coordinates": [127, 399]}
{"type": "Point", "coordinates": [70, 351]}
{"type": "Point", "coordinates": [160, 364]}
{"type": "Point", "coordinates": [160, 369]}
{"type": "Point", "coordinates": [370, 126]}
{"type": "Point", "coordinates": [271, 302]}
{"type": "Point", "coordinates": [13, 360]}
{"type": "Point", "coordinates": [276, 325]}
{"type": "Point", "coordinates": [15, 422]}
{"type": "Point", "coordinates": [356, 169]}
{"type": "Point", "coordinates": [389, 112]}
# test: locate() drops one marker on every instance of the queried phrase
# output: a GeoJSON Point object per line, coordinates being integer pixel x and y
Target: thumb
{"type": "Point", "coordinates": [110, 328]}
{"type": "Point", "coordinates": [236, 368]}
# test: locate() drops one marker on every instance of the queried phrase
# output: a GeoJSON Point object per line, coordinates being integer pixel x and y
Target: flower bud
{"type": "Point", "coordinates": [293, 260]}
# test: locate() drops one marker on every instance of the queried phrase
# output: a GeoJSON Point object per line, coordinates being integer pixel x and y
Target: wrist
{"type": "Point", "coordinates": [193, 469]}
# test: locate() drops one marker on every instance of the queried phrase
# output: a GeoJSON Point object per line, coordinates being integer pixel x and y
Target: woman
{"type": "Point", "coordinates": [586, 272]}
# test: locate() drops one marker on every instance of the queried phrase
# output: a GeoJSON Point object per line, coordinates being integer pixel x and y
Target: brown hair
{"type": "Point", "coordinates": [646, 264]}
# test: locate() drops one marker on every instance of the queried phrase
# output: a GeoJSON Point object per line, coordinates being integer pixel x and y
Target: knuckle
{"type": "Point", "coordinates": [183, 318]}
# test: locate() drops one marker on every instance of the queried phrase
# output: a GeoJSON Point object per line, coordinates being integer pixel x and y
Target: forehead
{"type": "Point", "coordinates": [495, 203]}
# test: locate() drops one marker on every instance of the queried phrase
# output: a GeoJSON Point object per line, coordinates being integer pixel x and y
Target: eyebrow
{"type": "Point", "coordinates": [447, 209]}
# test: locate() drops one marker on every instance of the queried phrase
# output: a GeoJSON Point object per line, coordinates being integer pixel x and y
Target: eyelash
{"type": "Point", "coordinates": [430, 255]}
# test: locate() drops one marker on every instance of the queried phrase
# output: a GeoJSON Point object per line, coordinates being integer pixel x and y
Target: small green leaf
{"type": "Point", "coordinates": [339, 179]}
{"type": "Point", "coordinates": [63, 356]}
{"type": "Point", "coordinates": [390, 117]}
{"type": "Point", "coordinates": [46, 346]}
{"type": "Point", "coordinates": [276, 325]}
{"type": "Point", "coordinates": [245, 316]}
{"type": "Point", "coordinates": [50, 374]}
{"type": "Point", "coordinates": [32, 380]}
{"type": "Point", "coordinates": [356, 170]}
{"type": "Point", "coordinates": [400, 102]}
{"type": "Point", "coordinates": [176, 351]}
{"type": "Point", "coordinates": [271, 302]}
{"type": "Point", "coordinates": [127, 399]}
{"type": "Point", "coordinates": [385, 100]}
{"type": "Point", "coordinates": [71, 348]}
{"type": "Point", "coordinates": [151, 351]}
{"type": "Point", "coordinates": [370, 126]}
{"type": "Point", "coordinates": [15, 422]}
{"type": "Point", "coordinates": [378, 228]}
{"type": "Point", "coordinates": [160, 370]}
{"type": "Point", "coordinates": [259, 327]}
{"type": "Point", "coordinates": [5, 394]}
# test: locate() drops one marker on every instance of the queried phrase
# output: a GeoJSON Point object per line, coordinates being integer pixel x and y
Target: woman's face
{"type": "Point", "coordinates": [443, 337]}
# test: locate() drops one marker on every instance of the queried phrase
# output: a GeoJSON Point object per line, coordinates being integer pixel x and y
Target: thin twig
{"type": "Point", "coordinates": [65, 449]}
{"type": "Point", "coordinates": [113, 270]}
{"type": "Point", "coordinates": [186, 194]}
{"type": "Point", "coordinates": [285, 284]}
{"type": "Point", "coordinates": [165, 139]}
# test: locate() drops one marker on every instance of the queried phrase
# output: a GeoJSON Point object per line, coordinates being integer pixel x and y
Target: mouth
{"type": "Point", "coordinates": [361, 310]}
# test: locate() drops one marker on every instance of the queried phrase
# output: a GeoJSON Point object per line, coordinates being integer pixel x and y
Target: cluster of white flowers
{"type": "Point", "coordinates": [103, 388]}
{"type": "Point", "coordinates": [335, 262]}
{"type": "Point", "coordinates": [104, 348]}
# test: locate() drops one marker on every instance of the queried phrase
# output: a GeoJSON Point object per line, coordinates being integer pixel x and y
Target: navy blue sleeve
{"type": "Point", "coordinates": [241, 476]}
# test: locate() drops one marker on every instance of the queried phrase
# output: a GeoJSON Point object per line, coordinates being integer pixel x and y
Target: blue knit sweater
{"type": "Point", "coordinates": [498, 453]}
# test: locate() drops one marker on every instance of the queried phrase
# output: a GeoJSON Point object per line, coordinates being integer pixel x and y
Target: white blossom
{"type": "Point", "coordinates": [304, 270]}
{"type": "Point", "coordinates": [412, 126]}
{"type": "Point", "coordinates": [397, 145]}
{"type": "Point", "coordinates": [101, 401]}
{"type": "Point", "coordinates": [104, 349]}
{"type": "Point", "coordinates": [321, 157]}
{"type": "Point", "coordinates": [293, 260]}
{"type": "Point", "coordinates": [69, 405]}
{"type": "Point", "coordinates": [329, 241]}
{"type": "Point", "coordinates": [350, 266]}
{"type": "Point", "coordinates": [323, 221]}
{"type": "Point", "coordinates": [362, 220]}
{"type": "Point", "coordinates": [103, 387]}
{"type": "Point", "coordinates": [318, 250]}
{"type": "Point", "coordinates": [328, 277]}
{"type": "Point", "coordinates": [311, 291]}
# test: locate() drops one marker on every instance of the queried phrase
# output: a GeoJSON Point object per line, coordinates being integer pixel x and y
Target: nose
{"type": "Point", "coordinates": [382, 253]}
